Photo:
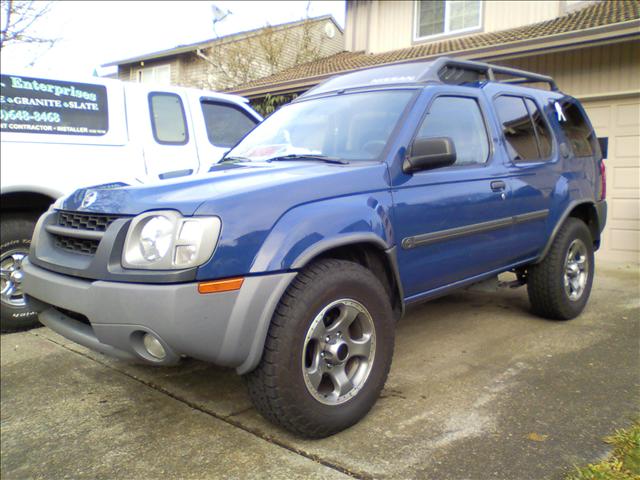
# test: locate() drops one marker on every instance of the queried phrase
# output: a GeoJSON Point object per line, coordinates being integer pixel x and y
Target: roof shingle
{"type": "Point", "coordinates": [597, 15]}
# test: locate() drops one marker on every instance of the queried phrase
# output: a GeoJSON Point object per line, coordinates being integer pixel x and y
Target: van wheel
{"type": "Point", "coordinates": [560, 285]}
{"type": "Point", "coordinates": [328, 350]}
{"type": "Point", "coordinates": [15, 240]}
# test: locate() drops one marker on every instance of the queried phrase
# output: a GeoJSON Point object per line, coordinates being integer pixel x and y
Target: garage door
{"type": "Point", "coordinates": [619, 119]}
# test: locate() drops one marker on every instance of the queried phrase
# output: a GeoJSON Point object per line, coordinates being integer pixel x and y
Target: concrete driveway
{"type": "Point", "coordinates": [479, 388]}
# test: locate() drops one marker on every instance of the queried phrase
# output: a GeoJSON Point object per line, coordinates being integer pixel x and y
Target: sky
{"type": "Point", "coordinates": [92, 33]}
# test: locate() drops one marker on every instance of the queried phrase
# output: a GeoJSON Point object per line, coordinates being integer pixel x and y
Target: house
{"type": "Point", "coordinates": [591, 49]}
{"type": "Point", "coordinates": [233, 59]}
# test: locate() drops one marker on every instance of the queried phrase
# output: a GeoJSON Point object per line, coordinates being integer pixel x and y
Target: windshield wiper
{"type": "Point", "coordinates": [235, 159]}
{"type": "Point", "coordinates": [295, 156]}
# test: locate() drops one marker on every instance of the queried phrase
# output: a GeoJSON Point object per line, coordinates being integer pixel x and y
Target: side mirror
{"type": "Point", "coordinates": [429, 153]}
{"type": "Point", "coordinates": [604, 146]}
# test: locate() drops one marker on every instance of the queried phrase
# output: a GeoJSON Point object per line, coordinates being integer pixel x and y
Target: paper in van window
{"type": "Point", "coordinates": [35, 105]}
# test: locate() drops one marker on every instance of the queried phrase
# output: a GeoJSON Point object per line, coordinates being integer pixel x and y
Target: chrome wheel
{"type": "Point", "coordinates": [338, 352]}
{"type": "Point", "coordinates": [11, 278]}
{"type": "Point", "coordinates": [576, 270]}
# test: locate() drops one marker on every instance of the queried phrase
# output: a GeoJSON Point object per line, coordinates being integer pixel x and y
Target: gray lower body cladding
{"type": "Point", "coordinates": [227, 328]}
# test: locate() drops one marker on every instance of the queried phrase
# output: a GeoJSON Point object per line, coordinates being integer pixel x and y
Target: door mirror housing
{"type": "Point", "coordinates": [430, 153]}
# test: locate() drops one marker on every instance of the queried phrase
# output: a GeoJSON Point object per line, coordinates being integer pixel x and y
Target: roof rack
{"type": "Point", "coordinates": [449, 70]}
{"type": "Point", "coordinates": [441, 70]}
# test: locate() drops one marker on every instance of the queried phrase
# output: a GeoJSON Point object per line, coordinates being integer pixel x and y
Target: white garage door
{"type": "Point", "coordinates": [619, 119]}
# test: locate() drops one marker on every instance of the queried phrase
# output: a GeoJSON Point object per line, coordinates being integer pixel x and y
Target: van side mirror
{"type": "Point", "coordinates": [429, 153]}
{"type": "Point", "coordinates": [604, 146]}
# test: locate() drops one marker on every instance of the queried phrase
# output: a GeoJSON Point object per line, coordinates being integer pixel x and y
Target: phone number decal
{"type": "Point", "coordinates": [23, 115]}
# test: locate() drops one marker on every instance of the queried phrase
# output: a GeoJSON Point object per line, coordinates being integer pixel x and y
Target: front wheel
{"type": "Point", "coordinates": [560, 285]}
{"type": "Point", "coordinates": [328, 350]}
{"type": "Point", "coordinates": [15, 240]}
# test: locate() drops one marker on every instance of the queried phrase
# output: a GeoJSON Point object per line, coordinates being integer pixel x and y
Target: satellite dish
{"type": "Point", "coordinates": [218, 13]}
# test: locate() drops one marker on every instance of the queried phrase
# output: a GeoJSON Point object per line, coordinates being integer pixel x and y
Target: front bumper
{"type": "Point", "coordinates": [227, 328]}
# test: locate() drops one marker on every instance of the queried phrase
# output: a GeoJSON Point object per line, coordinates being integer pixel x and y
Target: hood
{"type": "Point", "coordinates": [280, 185]}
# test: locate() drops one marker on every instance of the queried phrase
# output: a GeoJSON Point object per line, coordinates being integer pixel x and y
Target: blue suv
{"type": "Point", "coordinates": [293, 258]}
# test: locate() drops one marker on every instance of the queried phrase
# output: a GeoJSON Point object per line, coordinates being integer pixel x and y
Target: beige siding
{"type": "Point", "coordinates": [589, 72]}
{"type": "Point", "coordinates": [502, 15]}
{"type": "Point", "coordinates": [391, 25]}
{"type": "Point", "coordinates": [356, 29]}
{"type": "Point", "coordinates": [380, 26]}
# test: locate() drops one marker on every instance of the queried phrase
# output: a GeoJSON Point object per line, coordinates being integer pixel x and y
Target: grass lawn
{"type": "Point", "coordinates": [622, 464]}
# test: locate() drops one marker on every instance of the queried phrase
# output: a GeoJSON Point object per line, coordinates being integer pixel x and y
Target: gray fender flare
{"type": "Point", "coordinates": [567, 211]}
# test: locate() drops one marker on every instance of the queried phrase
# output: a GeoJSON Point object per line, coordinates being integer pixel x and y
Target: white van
{"type": "Point", "coordinates": [60, 134]}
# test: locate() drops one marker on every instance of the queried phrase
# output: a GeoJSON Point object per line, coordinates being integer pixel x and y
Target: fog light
{"type": "Point", "coordinates": [153, 346]}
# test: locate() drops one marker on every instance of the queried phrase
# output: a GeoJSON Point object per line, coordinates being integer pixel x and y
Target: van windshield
{"type": "Point", "coordinates": [349, 127]}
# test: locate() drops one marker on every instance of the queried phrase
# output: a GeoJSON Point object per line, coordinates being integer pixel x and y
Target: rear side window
{"type": "Point", "coordinates": [541, 128]}
{"type": "Point", "coordinates": [576, 129]}
{"type": "Point", "coordinates": [460, 119]}
{"type": "Point", "coordinates": [226, 124]}
{"type": "Point", "coordinates": [524, 128]}
{"type": "Point", "coordinates": [168, 120]}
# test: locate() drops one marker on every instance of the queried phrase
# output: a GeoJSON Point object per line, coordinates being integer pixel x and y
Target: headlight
{"type": "Point", "coordinates": [167, 241]}
{"type": "Point", "coordinates": [155, 238]}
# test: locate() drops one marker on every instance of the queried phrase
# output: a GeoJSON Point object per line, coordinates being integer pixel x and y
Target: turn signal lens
{"type": "Point", "coordinates": [217, 286]}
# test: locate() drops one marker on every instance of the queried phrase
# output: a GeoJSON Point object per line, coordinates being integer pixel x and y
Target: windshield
{"type": "Point", "coordinates": [353, 126]}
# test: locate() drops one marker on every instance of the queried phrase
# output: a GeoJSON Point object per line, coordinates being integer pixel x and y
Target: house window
{"type": "Point", "coordinates": [160, 75]}
{"type": "Point", "coordinates": [440, 17]}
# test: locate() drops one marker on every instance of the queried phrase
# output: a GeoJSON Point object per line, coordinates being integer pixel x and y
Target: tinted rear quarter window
{"type": "Point", "coordinates": [542, 130]}
{"type": "Point", "coordinates": [168, 119]}
{"type": "Point", "coordinates": [460, 119]}
{"type": "Point", "coordinates": [577, 130]}
{"type": "Point", "coordinates": [518, 130]}
{"type": "Point", "coordinates": [226, 124]}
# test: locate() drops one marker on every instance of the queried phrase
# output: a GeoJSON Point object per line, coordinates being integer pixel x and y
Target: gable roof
{"type": "Point", "coordinates": [598, 15]}
{"type": "Point", "coordinates": [225, 39]}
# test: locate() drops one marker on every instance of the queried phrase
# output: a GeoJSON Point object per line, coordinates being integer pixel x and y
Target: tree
{"type": "Point", "coordinates": [240, 60]}
{"type": "Point", "coordinates": [18, 20]}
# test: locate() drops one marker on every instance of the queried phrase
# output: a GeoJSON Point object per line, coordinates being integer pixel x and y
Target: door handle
{"type": "Point", "coordinates": [498, 186]}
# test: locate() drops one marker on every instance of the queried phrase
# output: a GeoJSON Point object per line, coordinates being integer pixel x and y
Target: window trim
{"type": "Point", "coordinates": [154, 130]}
{"type": "Point", "coordinates": [234, 106]}
{"type": "Point", "coordinates": [487, 129]}
{"type": "Point", "coordinates": [447, 33]}
{"type": "Point", "coordinates": [552, 156]}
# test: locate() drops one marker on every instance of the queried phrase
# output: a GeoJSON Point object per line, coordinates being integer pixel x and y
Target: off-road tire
{"type": "Point", "coordinates": [545, 279]}
{"type": "Point", "coordinates": [277, 386]}
{"type": "Point", "coordinates": [16, 230]}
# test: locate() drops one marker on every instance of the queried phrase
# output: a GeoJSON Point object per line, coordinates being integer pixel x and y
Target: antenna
{"type": "Point", "coordinates": [218, 14]}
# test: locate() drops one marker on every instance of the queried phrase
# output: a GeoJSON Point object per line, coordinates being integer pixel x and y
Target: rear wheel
{"type": "Point", "coordinates": [328, 350]}
{"type": "Point", "coordinates": [560, 285]}
{"type": "Point", "coordinates": [15, 241]}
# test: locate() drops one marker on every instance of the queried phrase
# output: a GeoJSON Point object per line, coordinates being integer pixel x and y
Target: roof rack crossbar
{"type": "Point", "coordinates": [490, 71]}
